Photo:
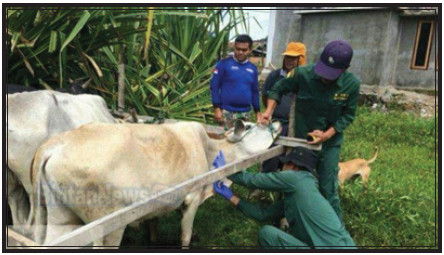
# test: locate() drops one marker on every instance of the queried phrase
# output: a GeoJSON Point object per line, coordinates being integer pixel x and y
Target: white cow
{"type": "Point", "coordinates": [32, 118]}
{"type": "Point", "coordinates": [85, 174]}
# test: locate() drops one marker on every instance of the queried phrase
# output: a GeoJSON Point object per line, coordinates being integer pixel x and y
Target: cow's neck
{"type": "Point", "coordinates": [232, 151]}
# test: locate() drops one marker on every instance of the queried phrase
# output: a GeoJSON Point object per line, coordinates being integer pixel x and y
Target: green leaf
{"type": "Point", "coordinates": [52, 42]}
{"type": "Point", "coordinates": [110, 56]}
{"type": "Point", "coordinates": [62, 62]}
{"type": "Point", "coordinates": [80, 24]}
{"type": "Point", "coordinates": [14, 40]}
{"type": "Point", "coordinates": [62, 59]}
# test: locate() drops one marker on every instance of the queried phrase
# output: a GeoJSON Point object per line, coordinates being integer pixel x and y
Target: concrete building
{"type": "Point", "coordinates": [392, 46]}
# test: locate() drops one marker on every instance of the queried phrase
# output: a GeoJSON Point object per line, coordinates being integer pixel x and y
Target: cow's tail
{"type": "Point", "coordinates": [37, 219]}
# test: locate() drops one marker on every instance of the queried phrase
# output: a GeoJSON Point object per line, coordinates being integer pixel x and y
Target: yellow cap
{"type": "Point", "coordinates": [296, 49]}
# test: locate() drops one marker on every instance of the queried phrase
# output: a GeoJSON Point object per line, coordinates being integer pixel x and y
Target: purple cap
{"type": "Point", "coordinates": [335, 59]}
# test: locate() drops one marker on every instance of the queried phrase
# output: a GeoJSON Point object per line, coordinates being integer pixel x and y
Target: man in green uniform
{"type": "Point", "coordinates": [327, 95]}
{"type": "Point", "coordinates": [313, 222]}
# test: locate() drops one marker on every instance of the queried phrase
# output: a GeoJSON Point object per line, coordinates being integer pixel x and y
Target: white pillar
{"type": "Point", "coordinates": [271, 27]}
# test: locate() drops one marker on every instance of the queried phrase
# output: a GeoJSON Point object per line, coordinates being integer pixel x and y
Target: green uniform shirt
{"type": "Point", "coordinates": [319, 105]}
{"type": "Point", "coordinates": [312, 220]}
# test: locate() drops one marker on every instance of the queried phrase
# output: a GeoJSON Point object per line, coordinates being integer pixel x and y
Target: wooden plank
{"type": "Point", "coordinates": [120, 218]}
{"type": "Point", "coordinates": [293, 142]}
{"type": "Point", "coordinates": [18, 238]}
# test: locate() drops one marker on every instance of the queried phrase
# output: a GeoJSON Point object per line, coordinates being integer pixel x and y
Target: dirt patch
{"type": "Point", "coordinates": [387, 98]}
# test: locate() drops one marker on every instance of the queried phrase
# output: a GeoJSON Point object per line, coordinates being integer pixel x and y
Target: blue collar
{"type": "Point", "coordinates": [246, 61]}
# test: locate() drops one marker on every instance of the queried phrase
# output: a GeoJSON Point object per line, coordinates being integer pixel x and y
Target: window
{"type": "Point", "coordinates": [423, 43]}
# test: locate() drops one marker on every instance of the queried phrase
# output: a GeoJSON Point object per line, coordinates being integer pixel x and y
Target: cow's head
{"type": "Point", "coordinates": [254, 137]}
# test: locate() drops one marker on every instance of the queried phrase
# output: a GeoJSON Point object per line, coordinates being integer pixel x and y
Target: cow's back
{"type": "Point", "coordinates": [33, 117]}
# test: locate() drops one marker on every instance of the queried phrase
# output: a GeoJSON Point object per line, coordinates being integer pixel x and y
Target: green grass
{"type": "Point", "coordinates": [397, 210]}
{"type": "Point", "coordinates": [399, 207]}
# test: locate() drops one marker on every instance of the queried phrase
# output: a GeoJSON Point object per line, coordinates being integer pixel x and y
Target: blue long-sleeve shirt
{"type": "Point", "coordinates": [234, 86]}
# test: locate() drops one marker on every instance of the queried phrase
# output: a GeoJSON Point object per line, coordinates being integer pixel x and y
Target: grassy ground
{"type": "Point", "coordinates": [398, 209]}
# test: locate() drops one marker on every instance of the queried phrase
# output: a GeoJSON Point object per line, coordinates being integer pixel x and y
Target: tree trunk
{"type": "Point", "coordinates": [121, 79]}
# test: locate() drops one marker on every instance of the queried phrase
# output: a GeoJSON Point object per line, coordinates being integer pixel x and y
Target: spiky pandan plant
{"type": "Point", "coordinates": [168, 53]}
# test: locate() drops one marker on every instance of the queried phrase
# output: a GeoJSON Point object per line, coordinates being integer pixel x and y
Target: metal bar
{"type": "Point", "coordinates": [20, 239]}
{"type": "Point", "coordinates": [122, 217]}
{"type": "Point", "coordinates": [294, 142]}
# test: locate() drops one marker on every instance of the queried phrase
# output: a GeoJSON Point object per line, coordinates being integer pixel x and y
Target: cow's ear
{"type": "Point", "coordinates": [239, 127]}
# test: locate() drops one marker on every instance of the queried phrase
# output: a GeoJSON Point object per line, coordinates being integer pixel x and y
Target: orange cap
{"type": "Point", "coordinates": [296, 49]}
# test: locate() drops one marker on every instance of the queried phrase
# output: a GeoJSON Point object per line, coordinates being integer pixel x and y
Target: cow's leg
{"type": "Point", "coordinates": [97, 244]}
{"type": "Point", "coordinates": [61, 221]}
{"type": "Point", "coordinates": [113, 239]}
{"type": "Point", "coordinates": [19, 205]}
{"type": "Point", "coordinates": [192, 202]}
{"type": "Point", "coordinates": [18, 202]}
{"type": "Point", "coordinates": [59, 218]}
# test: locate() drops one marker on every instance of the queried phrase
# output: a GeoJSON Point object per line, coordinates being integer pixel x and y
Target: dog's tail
{"type": "Point", "coordinates": [374, 156]}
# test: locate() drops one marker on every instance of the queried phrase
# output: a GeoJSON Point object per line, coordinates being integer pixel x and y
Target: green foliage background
{"type": "Point", "coordinates": [168, 53]}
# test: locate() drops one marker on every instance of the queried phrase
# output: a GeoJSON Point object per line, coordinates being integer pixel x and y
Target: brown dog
{"type": "Point", "coordinates": [357, 166]}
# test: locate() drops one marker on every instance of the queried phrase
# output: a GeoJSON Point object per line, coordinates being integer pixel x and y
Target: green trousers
{"type": "Point", "coordinates": [273, 238]}
{"type": "Point", "coordinates": [327, 168]}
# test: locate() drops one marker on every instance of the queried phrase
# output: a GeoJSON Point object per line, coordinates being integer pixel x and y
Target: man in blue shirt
{"type": "Point", "coordinates": [234, 85]}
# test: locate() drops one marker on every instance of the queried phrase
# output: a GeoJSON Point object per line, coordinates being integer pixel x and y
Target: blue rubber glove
{"type": "Point", "coordinates": [219, 160]}
{"type": "Point", "coordinates": [223, 190]}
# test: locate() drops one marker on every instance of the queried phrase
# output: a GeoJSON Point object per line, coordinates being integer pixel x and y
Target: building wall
{"type": "Point", "coordinates": [382, 42]}
{"type": "Point", "coordinates": [366, 31]}
{"type": "Point", "coordinates": [285, 29]}
{"type": "Point", "coordinates": [406, 77]}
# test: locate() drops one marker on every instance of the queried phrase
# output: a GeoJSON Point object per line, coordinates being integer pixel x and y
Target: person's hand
{"type": "Point", "coordinates": [264, 118]}
{"type": "Point", "coordinates": [258, 116]}
{"type": "Point", "coordinates": [223, 190]}
{"type": "Point", "coordinates": [218, 115]}
{"type": "Point", "coordinates": [319, 137]}
{"type": "Point", "coordinates": [219, 160]}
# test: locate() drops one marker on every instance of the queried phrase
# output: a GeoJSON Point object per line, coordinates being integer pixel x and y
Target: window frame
{"type": "Point", "coordinates": [429, 45]}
